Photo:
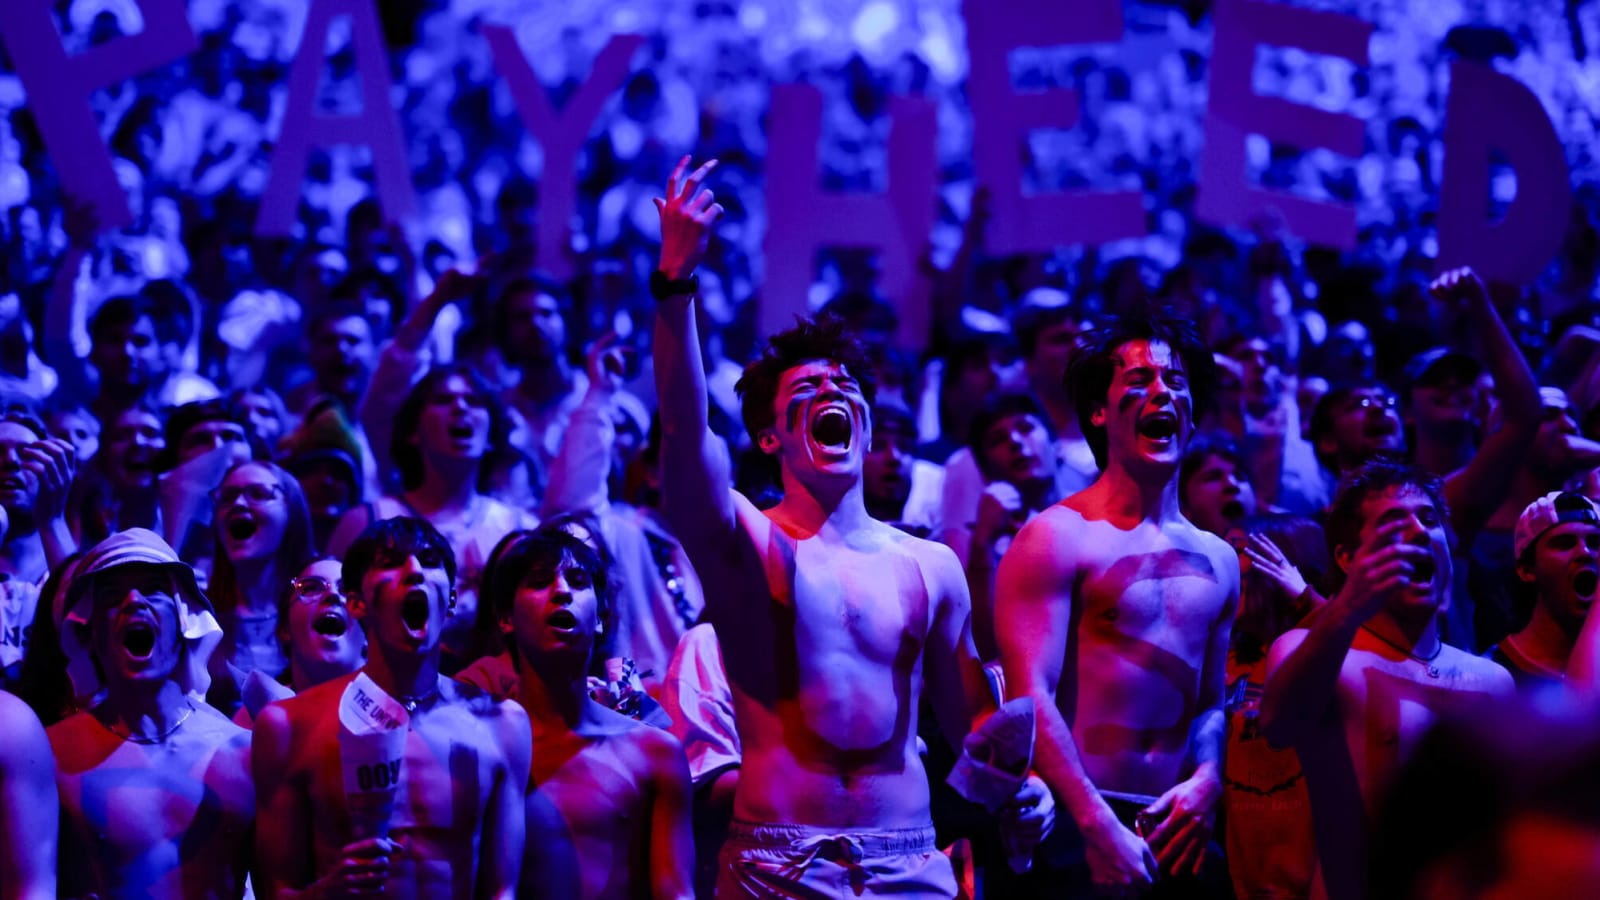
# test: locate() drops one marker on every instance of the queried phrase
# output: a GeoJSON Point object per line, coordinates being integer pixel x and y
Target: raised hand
{"type": "Point", "coordinates": [1001, 513]}
{"type": "Point", "coordinates": [605, 363]}
{"type": "Point", "coordinates": [687, 214]}
{"type": "Point", "coordinates": [1380, 567]}
{"type": "Point", "coordinates": [53, 463]}
{"type": "Point", "coordinates": [1459, 286]}
{"type": "Point", "coordinates": [1267, 559]}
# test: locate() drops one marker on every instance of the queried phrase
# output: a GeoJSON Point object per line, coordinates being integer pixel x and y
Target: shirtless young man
{"type": "Point", "coordinates": [609, 798]}
{"type": "Point", "coordinates": [830, 621]}
{"type": "Point", "coordinates": [1113, 612]}
{"type": "Point", "coordinates": [457, 827]}
{"type": "Point", "coordinates": [155, 790]}
{"type": "Point", "coordinates": [1354, 693]}
{"type": "Point", "coordinates": [28, 808]}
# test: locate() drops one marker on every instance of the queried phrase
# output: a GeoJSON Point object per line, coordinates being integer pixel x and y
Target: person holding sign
{"type": "Point", "coordinates": [441, 816]}
{"type": "Point", "coordinates": [831, 622]}
{"type": "Point", "coordinates": [609, 798]}
{"type": "Point", "coordinates": [155, 790]}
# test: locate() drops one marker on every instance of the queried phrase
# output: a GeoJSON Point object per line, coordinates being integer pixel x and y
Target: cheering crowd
{"type": "Point", "coordinates": [1280, 557]}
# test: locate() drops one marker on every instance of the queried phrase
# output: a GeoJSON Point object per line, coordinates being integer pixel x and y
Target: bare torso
{"type": "Point", "coordinates": [1147, 602]}
{"type": "Point", "coordinates": [1385, 702]}
{"type": "Point", "coordinates": [154, 820]}
{"type": "Point", "coordinates": [589, 812]}
{"type": "Point", "coordinates": [823, 644]}
{"type": "Point", "coordinates": [452, 764]}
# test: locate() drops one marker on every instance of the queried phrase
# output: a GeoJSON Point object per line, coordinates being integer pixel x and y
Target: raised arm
{"type": "Point", "coordinates": [696, 493]}
{"type": "Point", "coordinates": [1478, 488]}
{"type": "Point", "coordinates": [28, 805]}
{"type": "Point", "coordinates": [1303, 665]}
{"type": "Point", "coordinates": [504, 824]}
{"type": "Point", "coordinates": [81, 222]}
{"type": "Point", "coordinates": [404, 361]}
{"type": "Point", "coordinates": [1033, 616]}
{"type": "Point", "coordinates": [578, 474]}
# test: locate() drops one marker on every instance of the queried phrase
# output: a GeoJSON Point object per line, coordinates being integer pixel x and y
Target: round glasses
{"type": "Point", "coordinates": [314, 588]}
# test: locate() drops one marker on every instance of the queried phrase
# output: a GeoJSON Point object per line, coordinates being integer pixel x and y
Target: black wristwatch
{"type": "Point", "coordinates": [662, 287]}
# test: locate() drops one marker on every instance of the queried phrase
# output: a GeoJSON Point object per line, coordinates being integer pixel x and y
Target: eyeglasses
{"type": "Point", "coordinates": [1366, 403]}
{"type": "Point", "coordinates": [313, 588]}
{"type": "Point", "coordinates": [254, 494]}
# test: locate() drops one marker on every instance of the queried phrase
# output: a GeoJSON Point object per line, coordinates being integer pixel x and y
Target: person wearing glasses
{"type": "Point", "coordinates": [457, 824]}
{"type": "Point", "coordinates": [321, 639]}
{"type": "Point", "coordinates": [262, 529]}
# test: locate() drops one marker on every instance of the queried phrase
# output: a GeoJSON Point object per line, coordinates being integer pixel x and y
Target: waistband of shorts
{"type": "Point", "coordinates": [870, 844]}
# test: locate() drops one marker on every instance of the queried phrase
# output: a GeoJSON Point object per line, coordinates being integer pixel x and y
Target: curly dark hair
{"type": "Point", "coordinates": [825, 337]}
{"type": "Point", "coordinates": [521, 553]}
{"type": "Point", "coordinates": [1094, 366]}
{"type": "Point", "coordinates": [408, 459]}
{"type": "Point", "coordinates": [387, 538]}
{"type": "Point", "coordinates": [1344, 521]}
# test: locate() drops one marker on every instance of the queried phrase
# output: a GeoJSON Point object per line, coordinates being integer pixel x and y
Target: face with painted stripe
{"type": "Point", "coordinates": [1149, 412]}
{"type": "Point", "coordinates": [822, 426]}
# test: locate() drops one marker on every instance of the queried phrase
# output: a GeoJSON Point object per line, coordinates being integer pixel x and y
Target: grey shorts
{"type": "Point", "coordinates": [798, 861]}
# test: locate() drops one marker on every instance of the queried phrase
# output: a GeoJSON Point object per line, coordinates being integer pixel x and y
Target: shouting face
{"type": "Point", "coordinates": [251, 513]}
{"type": "Point", "coordinates": [323, 638]}
{"type": "Point", "coordinates": [1428, 583]}
{"type": "Point", "coordinates": [823, 426]}
{"type": "Point", "coordinates": [1566, 572]}
{"type": "Point", "coordinates": [1149, 413]}
{"type": "Point", "coordinates": [454, 424]}
{"type": "Point", "coordinates": [404, 599]}
{"type": "Point", "coordinates": [134, 629]}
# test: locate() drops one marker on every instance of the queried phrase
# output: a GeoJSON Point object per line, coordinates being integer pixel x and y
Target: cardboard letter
{"type": "Point", "coordinates": [1491, 111]}
{"type": "Point", "coordinates": [1234, 111]}
{"type": "Point", "coordinates": [376, 126]}
{"type": "Point", "coordinates": [803, 218]}
{"type": "Point", "coordinates": [561, 133]}
{"type": "Point", "coordinates": [59, 86]}
{"type": "Point", "coordinates": [1003, 119]}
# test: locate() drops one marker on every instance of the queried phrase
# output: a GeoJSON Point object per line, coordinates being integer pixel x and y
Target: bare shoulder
{"type": "Point", "coordinates": [1477, 673]}
{"type": "Point", "coordinates": [18, 723]}
{"type": "Point", "coordinates": [1058, 521]}
{"type": "Point", "coordinates": [505, 719]}
{"type": "Point", "coordinates": [311, 704]}
{"type": "Point", "coordinates": [1224, 559]}
{"type": "Point", "coordinates": [1286, 644]}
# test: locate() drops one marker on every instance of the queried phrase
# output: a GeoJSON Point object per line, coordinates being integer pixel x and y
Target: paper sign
{"type": "Point", "coordinates": [1491, 111]}
{"type": "Point", "coordinates": [59, 86]}
{"type": "Point", "coordinates": [805, 218]}
{"type": "Point", "coordinates": [1234, 112]}
{"type": "Point", "coordinates": [1003, 119]}
{"type": "Point", "coordinates": [561, 133]}
{"type": "Point", "coordinates": [376, 126]}
{"type": "Point", "coordinates": [372, 743]}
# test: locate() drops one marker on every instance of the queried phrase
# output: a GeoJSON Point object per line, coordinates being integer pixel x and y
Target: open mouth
{"type": "Point", "coordinates": [562, 620]}
{"type": "Point", "coordinates": [12, 484]}
{"type": "Point", "coordinates": [414, 610]}
{"type": "Point", "coordinates": [462, 432]}
{"type": "Point", "coordinates": [1233, 509]}
{"type": "Point", "coordinates": [242, 528]}
{"type": "Point", "coordinates": [1585, 582]}
{"type": "Point", "coordinates": [1422, 571]}
{"type": "Point", "coordinates": [1159, 427]}
{"type": "Point", "coordinates": [831, 428]}
{"type": "Point", "coordinates": [139, 639]}
{"type": "Point", "coordinates": [332, 623]}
